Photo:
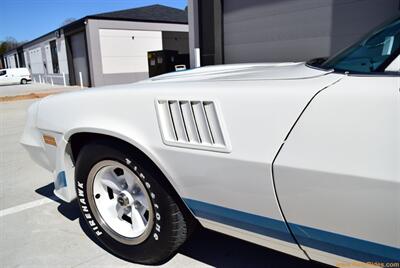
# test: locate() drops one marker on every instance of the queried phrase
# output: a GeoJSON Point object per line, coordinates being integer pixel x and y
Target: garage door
{"type": "Point", "coordinates": [259, 30]}
{"type": "Point", "coordinates": [11, 61]}
{"type": "Point", "coordinates": [79, 58]}
{"type": "Point", "coordinates": [125, 51]}
{"type": "Point", "coordinates": [36, 60]}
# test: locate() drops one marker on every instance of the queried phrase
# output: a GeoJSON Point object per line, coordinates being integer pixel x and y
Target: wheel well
{"type": "Point", "coordinates": [79, 140]}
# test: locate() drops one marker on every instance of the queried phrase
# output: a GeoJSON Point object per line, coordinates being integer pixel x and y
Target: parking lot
{"type": "Point", "coordinates": [38, 230]}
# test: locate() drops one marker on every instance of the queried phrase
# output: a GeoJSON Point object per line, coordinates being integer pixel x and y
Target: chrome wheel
{"type": "Point", "coordinates": [121, 202]}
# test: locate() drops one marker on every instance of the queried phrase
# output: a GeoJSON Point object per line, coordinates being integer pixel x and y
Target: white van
{"type": "Point", "coordinates": [14, 76]}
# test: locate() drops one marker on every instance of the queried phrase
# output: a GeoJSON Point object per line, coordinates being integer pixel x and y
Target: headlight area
{"type": "Point", "coordinates": [49, 150]}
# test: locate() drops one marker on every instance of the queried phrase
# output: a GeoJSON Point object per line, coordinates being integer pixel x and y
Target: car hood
{"type": "Point", "coordinates": [237, 72]}
{"type": "Point", "coordinates": [274, 82]}
{"type": "Point", "coordinates": [188, 79]}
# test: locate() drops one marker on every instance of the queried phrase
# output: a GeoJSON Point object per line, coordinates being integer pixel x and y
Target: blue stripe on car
{"type": "Point", "coordinates": [253, 223]}
{"type": "Point", "coordinates": [346, 246]}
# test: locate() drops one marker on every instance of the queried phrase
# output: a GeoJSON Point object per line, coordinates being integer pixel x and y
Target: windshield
{"type": "Point", "coordinates": [372, 54]}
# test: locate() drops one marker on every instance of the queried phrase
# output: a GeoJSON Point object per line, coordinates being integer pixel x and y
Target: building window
{"type": "Point", "coordinates": [54, 56]}
{"type": "Point", "coordinates": [21, 59]}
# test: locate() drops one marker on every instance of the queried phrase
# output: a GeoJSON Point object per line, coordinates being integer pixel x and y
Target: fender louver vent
{"type": "Point", "coordinates": [192, 124]}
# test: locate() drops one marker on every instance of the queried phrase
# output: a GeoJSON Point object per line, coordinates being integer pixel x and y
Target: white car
{"type": "Point", "coordinates": [14, 76]}
{"type": "Point", "coordinates": [303, 158]}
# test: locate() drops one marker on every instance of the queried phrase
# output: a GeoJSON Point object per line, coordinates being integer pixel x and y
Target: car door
{"type": "Point", "coordinates": [16, 76]}
{"type": "Point", "coordinates": [338, 174]}
{"type": "Point", "coordinates": [12, 76]}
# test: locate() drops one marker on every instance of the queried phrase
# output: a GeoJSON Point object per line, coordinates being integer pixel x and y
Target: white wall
{"type": "Point", "coordinates": [62, 56]}
{"type": "Point", "coordinates": [26, 58]}
{"type": "Point", "coordinates": [120, 53]}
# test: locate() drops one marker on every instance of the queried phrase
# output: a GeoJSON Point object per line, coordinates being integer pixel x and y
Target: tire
{"type": "Point", "coordinates": [165, 226]}
{"type": "Point", "coordinates": [24, 81]}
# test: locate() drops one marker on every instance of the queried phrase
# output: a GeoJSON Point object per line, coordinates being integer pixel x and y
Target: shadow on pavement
{"type": "Point", "coordinates": [205, 246]}
{"type": "Point", "coordinates": [68, 210]}
{"type": "Point", "coordinates": [220, 250]}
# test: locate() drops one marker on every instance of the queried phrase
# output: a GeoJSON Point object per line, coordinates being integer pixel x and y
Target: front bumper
{"type": "Point", "coordinates": [53, 157]}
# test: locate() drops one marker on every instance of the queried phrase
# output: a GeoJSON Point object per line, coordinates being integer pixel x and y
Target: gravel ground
{"type": "Point", "coordinates": [17, 89]}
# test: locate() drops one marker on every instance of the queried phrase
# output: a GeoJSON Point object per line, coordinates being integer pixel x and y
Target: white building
{"type": "Point", "coordinates": [105, 48]}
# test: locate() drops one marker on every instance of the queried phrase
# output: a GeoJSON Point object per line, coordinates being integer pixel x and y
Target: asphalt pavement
{"type": "Point", "coordinates": [38, 230]}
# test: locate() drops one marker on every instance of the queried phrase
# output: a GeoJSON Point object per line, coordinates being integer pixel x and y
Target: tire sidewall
{"type": "Point", "coordinates": [158, 237]}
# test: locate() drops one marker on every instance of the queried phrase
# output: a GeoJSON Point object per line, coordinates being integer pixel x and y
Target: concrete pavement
{"type": "Point", "coordinates": [37, 230]}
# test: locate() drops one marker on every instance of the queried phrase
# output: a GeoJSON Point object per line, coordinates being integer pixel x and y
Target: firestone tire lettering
{"type": "Point", "coordinates": [169, 227]}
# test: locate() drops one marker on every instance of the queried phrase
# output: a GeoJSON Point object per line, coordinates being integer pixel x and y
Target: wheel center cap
{"type": "Point", "coordinates": [125, 199]}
